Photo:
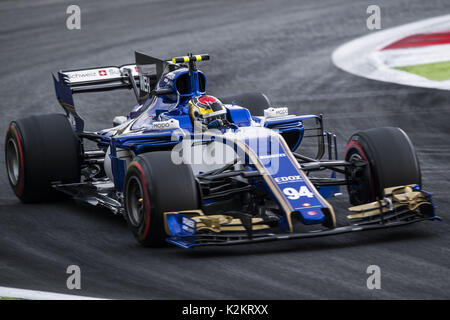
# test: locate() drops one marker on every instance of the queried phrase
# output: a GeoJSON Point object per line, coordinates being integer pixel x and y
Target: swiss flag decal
{"type": "Point", "coordinates": [102, 72]}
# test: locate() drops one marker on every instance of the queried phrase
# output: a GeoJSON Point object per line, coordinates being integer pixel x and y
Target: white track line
{"type": "Point", "coordinates": [39, 295]}
{"type": "Point", "coordinates": [361, 56]}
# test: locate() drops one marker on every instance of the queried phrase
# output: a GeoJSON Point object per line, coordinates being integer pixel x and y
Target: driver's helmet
{"type": "Point", "coordinates": [206, 109]}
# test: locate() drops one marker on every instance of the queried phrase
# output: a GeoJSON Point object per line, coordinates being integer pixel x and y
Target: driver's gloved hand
{"type": "Point", "coordinates": [219, 124]}
{"type": "Point", "coordinates": [215, 124]}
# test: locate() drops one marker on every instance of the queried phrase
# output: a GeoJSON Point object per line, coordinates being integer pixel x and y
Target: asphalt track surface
{"type": "Point", "coordinates": [282, 48]}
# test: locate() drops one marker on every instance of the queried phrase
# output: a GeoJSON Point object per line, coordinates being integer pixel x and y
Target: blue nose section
{"type": "Point", "coordinates": [311, 215]}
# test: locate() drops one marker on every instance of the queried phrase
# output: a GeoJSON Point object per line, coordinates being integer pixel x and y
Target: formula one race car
{"type": "Point", "coordinates": [190, 169]}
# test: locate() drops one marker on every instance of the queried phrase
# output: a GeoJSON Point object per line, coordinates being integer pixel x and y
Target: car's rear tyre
{"type": "Point", "coordinates": [255, 102]}
{"type": "Point", "coordinates": [391, 161]}
{"type": "Point", "coordinates": [154, 185]}
{"type": "Point", "coordinates": [40, 150]}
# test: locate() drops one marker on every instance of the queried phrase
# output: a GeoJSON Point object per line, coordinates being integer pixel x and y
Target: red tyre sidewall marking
{"type": "Point", "coordinates": [146, 198]}
{"type": "Point", "coordinates": [359, 148]}
{"type": "Point", "coordinates": [13, 129]}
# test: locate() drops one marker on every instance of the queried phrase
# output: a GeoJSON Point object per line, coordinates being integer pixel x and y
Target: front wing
{"type": "Point", "coordinates": [402, 205]}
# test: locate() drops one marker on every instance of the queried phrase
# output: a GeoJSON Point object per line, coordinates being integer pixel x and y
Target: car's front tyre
{"type": "Point", "coordinates": [387, 159]}
{"type": "Point", "coordinates": [154, 185]}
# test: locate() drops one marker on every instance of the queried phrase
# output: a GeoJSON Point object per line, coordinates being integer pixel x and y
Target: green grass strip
{"type": "Point", "coordinates": [437, 71]}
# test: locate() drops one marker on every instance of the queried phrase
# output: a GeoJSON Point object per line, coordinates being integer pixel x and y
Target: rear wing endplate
{"type": "Point", "coordinates": [92, 80]}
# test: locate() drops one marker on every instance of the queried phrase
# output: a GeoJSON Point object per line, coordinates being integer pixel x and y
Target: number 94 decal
{"type": "Point", "coordinates": [294, 194]}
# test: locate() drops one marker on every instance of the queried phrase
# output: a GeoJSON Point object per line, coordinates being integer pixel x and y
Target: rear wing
{"type": "Point", "coordinates": [141, 77]}
{"type": "Point", "coordinates": [100, 79]}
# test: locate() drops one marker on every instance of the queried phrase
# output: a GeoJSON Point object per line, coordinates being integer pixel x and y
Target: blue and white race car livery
{"type": "Point", "coordinates": [192, 169]}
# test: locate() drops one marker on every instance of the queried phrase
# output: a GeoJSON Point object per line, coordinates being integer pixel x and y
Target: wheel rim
{"type": "Point", "coordinates": [135, 201]}
{"type": "Point", "coordinates": [361, 189]}
{"type": "Point", "coordinates": [12, 161]}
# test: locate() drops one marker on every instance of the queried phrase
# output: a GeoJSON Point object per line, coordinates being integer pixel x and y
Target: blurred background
{"type": "Point", "coordinates": [282, 48]}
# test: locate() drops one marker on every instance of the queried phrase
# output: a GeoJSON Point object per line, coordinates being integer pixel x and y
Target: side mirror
{"type": "Point", "coordinates": [118, 120]}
